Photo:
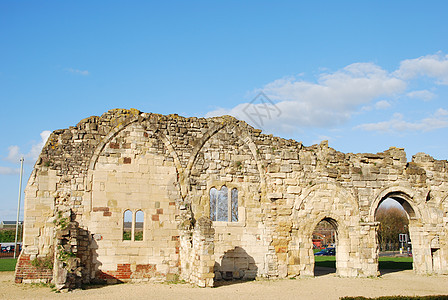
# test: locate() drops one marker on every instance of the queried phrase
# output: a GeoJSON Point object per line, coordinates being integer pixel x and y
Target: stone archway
{"type": "Point", "coordinates": [142, 183]}
{"type": "Point", "coordinates": [305, 251]}
{"type": "Point", "coordinates": [325, 201]}
{"type": "Point", "coordinates": [317, 270]}
{"type": "Point", "coordinates": [232, 149]}
{"type": "Point", "coordinates": [421, 250]}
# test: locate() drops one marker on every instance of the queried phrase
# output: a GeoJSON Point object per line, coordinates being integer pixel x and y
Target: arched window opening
{"type": "Point", "coordinates": [395, 215]}
{"type": "Point", "coordinates": [324, 240]}
{"type": "Point", "coordinates": [213, 198]}
{"type": "Point", "coordinates": [393, 232]}
{"type": "Point", "coordinates": [127, 225]}
{"type": "Point", "coordinates": [397, 200]}
{"type": "Point", "coordinates": [222, 213]}
{"type": "Point", "coordinates": [324, 235]}
{"type": "Point", "coordinates": [234, 205]}
{"type": "Point", "coordinates": [224, 204]}
{"type": "Point", "coordinates": [139, 223]}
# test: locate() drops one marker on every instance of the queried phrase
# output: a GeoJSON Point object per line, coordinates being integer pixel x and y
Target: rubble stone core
{"type": "Point", "coordinates": [170, 169]}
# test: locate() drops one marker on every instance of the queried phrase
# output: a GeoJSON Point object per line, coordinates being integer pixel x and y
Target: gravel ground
{"type": "Point", "coordinates": [323, 287]}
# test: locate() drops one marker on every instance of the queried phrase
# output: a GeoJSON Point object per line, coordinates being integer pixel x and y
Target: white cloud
{"type": "Point", "coordinates": [8, 171]}
{"type": "Point", "coordinates": [382, 104]}
{"type": "Point", "coordinates": [37, 148]}
{"type": "Point", "coordinates": [77, 71]}
{"type": "Point", "coordinates": [15, 154]}
{"type": "Point", "coordinates": [366, 108]}
{"type": "Point", "coordinates": [396, 124]}
{"type": "Point", "coordinates": [330, 101]}
{"type": "Point", "coordinates": [435, 66]}
{"type": "Point", "coordinates": [335, 97]}
{"type": "Point", "coordinates": [425, 95]}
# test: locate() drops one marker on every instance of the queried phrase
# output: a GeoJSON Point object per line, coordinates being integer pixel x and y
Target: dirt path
{"type": "Point", "coordinates": [323, 287]}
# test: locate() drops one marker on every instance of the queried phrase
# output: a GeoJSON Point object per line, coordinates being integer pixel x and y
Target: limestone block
{"type": "Point", "coordinates": [274, 196]}
{"type": "Point", "coordinates": [294, 190]}
{"type": "Point", "coordinates": [32, 250]}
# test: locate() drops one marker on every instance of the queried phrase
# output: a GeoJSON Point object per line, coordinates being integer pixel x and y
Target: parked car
{"type": "Point", "coordinates": [326, 252]}
{"type": "Point", "coordinates": [10, 248]}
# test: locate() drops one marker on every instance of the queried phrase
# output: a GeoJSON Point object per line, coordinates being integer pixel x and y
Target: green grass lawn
{"type": "Point", "coordinates": [398, 263]}
{"type": "Point", "coordinates": [7, 264]}
{"type": "Point", "coordinates": [325, 261]}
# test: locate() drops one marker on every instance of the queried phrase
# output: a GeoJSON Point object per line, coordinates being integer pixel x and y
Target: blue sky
{"type": "Point", "coordinates": [365, 75]}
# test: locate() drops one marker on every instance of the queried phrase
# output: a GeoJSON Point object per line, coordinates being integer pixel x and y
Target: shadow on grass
{"type": "Point", "coordinates": [388, 265]}
{"type": "Point", "coordinates": [324, 265]}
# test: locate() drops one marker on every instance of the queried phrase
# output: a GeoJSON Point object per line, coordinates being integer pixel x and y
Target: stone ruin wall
{"type": "Point", "coordinates": [165, 166]}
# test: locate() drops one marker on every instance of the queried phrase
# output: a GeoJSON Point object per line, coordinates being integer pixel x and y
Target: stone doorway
{"type": "Point", "coordinates": [325, 260]}
{"type": "Point", "coordinates": [403, 202]}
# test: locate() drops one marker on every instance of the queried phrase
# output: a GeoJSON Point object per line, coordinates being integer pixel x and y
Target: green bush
{"type": "Point", "coordinates": [138, 236]}
{"type": "Point", "coordinates": [9, 235]}
{"type": "Point", "coordinates": [43, 262]}
{"type": "Point", "coordinates": [126, 235]}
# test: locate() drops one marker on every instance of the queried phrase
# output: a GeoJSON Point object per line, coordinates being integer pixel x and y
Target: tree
{"type": "Point", "coordinates": [326, 232]}
{"type": "Point", "coordinates": [8, 235]}
{"type": "Point", "coordinates": [393, 221]}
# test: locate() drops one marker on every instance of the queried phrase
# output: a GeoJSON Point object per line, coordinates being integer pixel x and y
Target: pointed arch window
{"type": "Point", "coordinates": [139, 222]}
{"type": "Point", "coordinates": [213, 197]}
{"type": "Point", "coordinates": [127, 225]}
{"type": "Point", "coordinates": [222, 211]}
{"type": "Point", "coordinates": [224, 204]}
{"type": "Point", "coordinates": [234, 205]}
{"type": "Point", "coordinates": [133, 225]}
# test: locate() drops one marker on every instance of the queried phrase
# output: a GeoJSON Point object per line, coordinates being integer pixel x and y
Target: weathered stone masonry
{"type": "Point", "coordinates": [87, 176]}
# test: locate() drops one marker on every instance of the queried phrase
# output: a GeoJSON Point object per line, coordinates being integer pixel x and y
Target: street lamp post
{"type": "Point", "coordinates": [18, 206]}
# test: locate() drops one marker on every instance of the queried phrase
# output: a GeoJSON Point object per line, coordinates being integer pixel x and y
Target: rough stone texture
{"type": "Point", "coordinates": [197, 254]}
{"type": "Point", "coordinates": [165, 167]}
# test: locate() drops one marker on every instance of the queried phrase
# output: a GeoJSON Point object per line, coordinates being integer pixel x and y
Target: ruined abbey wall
{"type": "Point", "coordinates": [171, 168]}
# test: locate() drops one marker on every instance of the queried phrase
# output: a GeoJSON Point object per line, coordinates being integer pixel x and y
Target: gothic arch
{"type": "Point", "coordinates": [338, 223]}
{"type": "Point", "coordinates": [247, 139]}
{"type": "Point", "coordinates": [414, 202]}
{"type": "Point", "coordinates": [240, 134]}
{"type": "Point", "coordinates": [334, 187]}
{"type": "Point", "coordinates": [407, 197]}
{"type": "Point", "coordinates": [323, 201]}
{"type": "Point", "coordinates": [302, 212]}
{"type": "Point", "coordinates": [116, 130]}
{"type": "Point", "coordinates": [113, 133]}
{"type": "Point", "coordinates": [212, 131]}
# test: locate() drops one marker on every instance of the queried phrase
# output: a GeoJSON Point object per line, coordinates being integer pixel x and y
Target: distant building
{"type": "Point", "coordinates": [9, 224]}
